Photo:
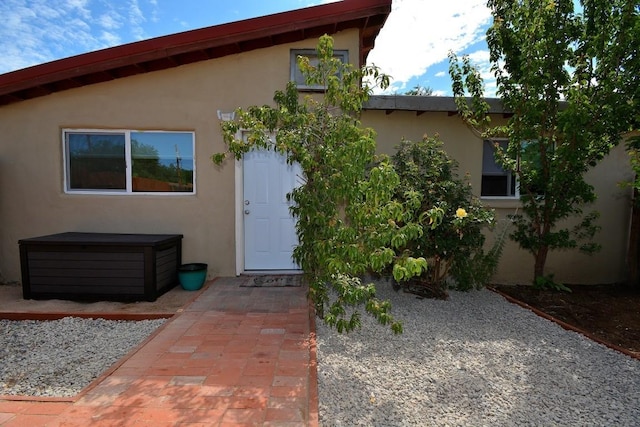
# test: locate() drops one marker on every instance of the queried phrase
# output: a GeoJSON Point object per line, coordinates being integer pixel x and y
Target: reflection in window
{"type": "Point", "coordinates": [129, 161]}
{"type": "Point", "coordinates": [162, 161]}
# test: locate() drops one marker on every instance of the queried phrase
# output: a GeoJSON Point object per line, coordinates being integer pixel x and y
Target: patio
{"type": "Point", "coordinates": [230, 356]}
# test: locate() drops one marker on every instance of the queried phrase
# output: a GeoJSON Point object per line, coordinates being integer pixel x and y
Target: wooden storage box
{"type": "Point", "coordinates": [100, 266]}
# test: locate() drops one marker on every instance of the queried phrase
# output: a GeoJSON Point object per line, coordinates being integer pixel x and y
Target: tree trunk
{"type": "Point", "coordinates": [633, 252]}
{"type": "Point", "coordinates": [541, 260]}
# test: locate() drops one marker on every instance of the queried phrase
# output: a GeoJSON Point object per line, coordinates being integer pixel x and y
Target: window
{"type": "Point", "coordinates": [296, 74]}
{"type": "Point", "coordinates": [496, 182]}
{"type": "Point", "coordinates": [127, 161]}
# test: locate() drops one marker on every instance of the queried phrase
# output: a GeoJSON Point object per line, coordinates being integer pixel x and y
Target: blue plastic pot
{"type": "Point", "coordinates": [192, 276]}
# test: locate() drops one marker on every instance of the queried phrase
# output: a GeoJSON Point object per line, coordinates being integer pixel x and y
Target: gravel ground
{"type": "Point", "coordinates": [59, 358]}
{"type": "Point", "coordinates": [474, 360]}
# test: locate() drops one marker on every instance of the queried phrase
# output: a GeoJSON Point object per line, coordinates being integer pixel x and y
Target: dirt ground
{"type": "Point", "coordinates": [11, 302]}
{"type": "Point", "coordinates": [608, 312]}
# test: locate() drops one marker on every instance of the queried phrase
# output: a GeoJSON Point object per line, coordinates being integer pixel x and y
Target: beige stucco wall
{"type": "Point", "coordinates": [516, 265]}
{"type": "Point", "coordinates": [32, 198]}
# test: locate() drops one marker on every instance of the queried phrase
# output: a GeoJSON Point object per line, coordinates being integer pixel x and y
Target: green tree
{"type": "Point", "coordinates": [571, 81]}
{"type": "Point", "coordinates": [347, 218]}
{"type": "Point", "coordinates": [146, 160]}
{"type": "Point", "coordinates": [420, 91]}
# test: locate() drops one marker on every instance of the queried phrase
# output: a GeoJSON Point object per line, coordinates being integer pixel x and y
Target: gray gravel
{"type": "Point", "coordinates": [59, 358]}
{"type": "Point", "coordinates": [474, 360]}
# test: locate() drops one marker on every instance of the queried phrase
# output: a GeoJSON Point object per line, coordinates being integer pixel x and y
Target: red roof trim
{"type": "Point", "coordinates": [197, 45]}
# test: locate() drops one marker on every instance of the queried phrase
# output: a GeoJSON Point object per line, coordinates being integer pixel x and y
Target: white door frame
{"type": "Point", "coordinates": [239, 214]}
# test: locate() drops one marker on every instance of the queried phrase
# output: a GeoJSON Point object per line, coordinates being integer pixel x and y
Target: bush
{"type": "Point", "coordinates": [453, 249]}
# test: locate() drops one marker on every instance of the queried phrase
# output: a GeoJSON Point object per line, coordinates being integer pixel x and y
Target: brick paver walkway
{"type": "Point", "coordinates": [236, 356]}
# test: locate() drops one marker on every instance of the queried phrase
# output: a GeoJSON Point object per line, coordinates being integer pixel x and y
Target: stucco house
{"type": "Point", "coordinates": [119, 141]}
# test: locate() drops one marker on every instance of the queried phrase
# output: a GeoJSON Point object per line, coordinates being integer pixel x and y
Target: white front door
{"type": "Point", "coordinates": [269, 228]}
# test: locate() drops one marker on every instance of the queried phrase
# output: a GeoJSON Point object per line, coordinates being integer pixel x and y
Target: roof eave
{"type": "Point", "coordinates": [424, 104]}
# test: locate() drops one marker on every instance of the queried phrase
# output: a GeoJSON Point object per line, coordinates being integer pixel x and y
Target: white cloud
{"type": "Point", "coordinates": [136, 19]}
{"type": "Point", "coordinates": [139, 14]}
{"type": "Point", "coordinates": [77, 6]}
{"type": "Point", "coordinates": [110, 39]}
{"type": "Point", "coordinates": [110, 21]}
{"type": "Point", "coordinates": [419, 34]}
{"type": "Point", "coordinates": [479, 57]}
{"type": "Point", "coordinates": [182, 23]}
{"type": "Point", "coordinates": [48, 12]}
{"type": "Point", "coordinates": [135, 14]}
{"type": "Point", "coordinates": [440, 74]}
{"type": "Point", "coordinates": [36, 31]}
{"type": "Point", "coordinates": [154, 11]}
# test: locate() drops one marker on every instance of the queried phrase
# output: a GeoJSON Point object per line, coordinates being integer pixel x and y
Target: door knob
{"type": "Point", "coordinates": [246, 212]}
{"type": "Point", "coordinates": [246, 202]}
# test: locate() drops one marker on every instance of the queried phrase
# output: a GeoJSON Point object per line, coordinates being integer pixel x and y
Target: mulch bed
{"type": "Point", "coordinates": [610, 313]}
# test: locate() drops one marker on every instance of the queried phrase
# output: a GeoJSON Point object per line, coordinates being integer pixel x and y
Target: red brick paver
{"type": "Point", "coordinates": [235, 356]}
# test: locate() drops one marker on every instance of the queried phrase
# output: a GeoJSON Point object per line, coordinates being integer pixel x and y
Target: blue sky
{"type": "Point", "coordinates": [412, 47]}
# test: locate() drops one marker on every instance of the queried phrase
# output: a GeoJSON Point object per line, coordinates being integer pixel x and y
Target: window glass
{"type": "Point", "coordinates": [96, 161]}
{"type": "Point", "coordinates": [296, 74]}
{"type": "Point", "coordinates": [162, 161]}
{"type": "Point", "coordinates": [496, 182]}
{"type": "Point", "coordinates": [129, 161]}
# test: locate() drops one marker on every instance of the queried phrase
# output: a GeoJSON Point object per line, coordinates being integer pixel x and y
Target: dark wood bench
{"type": "Point", "coordinates": [100, 266]}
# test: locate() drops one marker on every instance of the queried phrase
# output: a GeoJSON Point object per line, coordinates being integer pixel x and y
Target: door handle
{"type": "Point", "coordinates": [246, 202]}
{"type": "Point", "coordinates": [247, 212]}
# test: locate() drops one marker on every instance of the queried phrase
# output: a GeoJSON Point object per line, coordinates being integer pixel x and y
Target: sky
{"type": "Point", "coordinates": [412, 47]}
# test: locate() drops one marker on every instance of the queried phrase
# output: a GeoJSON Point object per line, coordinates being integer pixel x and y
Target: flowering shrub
{"type": "Point", "coordinates": [461, 213]}
{"type": "Point", "coordinates": [453, 249]}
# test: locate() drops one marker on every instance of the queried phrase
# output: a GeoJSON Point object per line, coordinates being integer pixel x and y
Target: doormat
{"type": "Point", "coordinates": [289, 280]}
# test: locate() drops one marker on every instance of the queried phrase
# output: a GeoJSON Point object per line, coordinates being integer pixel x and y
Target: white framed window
{"type": "Point", "coordinates": [296, 74]}
{"type": "Point", "coordinates": [496, 182]}
{"type": "Point", "coordinates": [100, 161]}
